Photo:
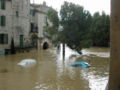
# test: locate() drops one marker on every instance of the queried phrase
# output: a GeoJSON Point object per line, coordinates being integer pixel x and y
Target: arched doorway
{"type": "Point", "coordinates": [45, 45]}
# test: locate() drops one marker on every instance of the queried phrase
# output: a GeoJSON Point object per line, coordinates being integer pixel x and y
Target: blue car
{"type": "Point", "coordinates": [81, 64]}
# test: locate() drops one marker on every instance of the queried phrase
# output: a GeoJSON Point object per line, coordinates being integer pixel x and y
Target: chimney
{"type": "Point", "coordinates": [44, 3]}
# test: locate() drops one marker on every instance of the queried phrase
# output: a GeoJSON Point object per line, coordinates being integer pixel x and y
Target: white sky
{"type": "Point", "coordinates": [91, 5]}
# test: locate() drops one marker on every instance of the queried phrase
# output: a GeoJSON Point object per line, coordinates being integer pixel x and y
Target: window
{"type": "Point", "coordinates": [2, 20]}
{"type": "Point", "coordinates": [34, 28]}
{"type": "Point", "coordinates": [32, 12]}
{"type": "Point", "coordinates": [46, 21]}
{"type": "Point", "coordinates": [2, 4]}
{"type": "Point", "coordinates": [17, 14]}
{"type": "Point", "coordinates": [3, 38]}
{"type": "Point", "coordinates": [21, 41]}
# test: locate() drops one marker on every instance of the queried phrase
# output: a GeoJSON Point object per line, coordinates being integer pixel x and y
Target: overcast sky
{"type": "Point", "coordinates": [91, 5]}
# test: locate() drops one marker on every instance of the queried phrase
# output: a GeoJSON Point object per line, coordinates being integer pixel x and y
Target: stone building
{"type": "Point", "coordinates": [5, 24]}
{"type": "Point", "coordinates": [38, 22]}
{"type": "Point", "coordinates": [14, 23]}
{"type": "Point", "coordinates": [23, 23]}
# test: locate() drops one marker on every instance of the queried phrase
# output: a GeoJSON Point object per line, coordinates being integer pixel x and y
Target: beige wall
{"type": "Point", "coordinates": [41, 24]}
{"type": "Point", "coordinates": [22, 21]}
{"type": "Point", "coordinates": [40, 18]}
{"type": "Point", "coordinates": [7, 29]}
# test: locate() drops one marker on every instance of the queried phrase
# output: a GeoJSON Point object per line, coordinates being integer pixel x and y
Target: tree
{"type": "Point", "coordinates": [76, 23]}
{"type": "Point", "coordinates": [52, 25]}
{"type": "Point", "coordinates": [100, 29]}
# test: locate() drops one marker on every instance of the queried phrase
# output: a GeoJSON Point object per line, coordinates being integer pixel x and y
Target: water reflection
{"type": "Point", "coordinates": [100, 52]}
{"type": "Point", "coordinates": [52, 72]}
{"type": "Point", "coordinates": [96, 76]}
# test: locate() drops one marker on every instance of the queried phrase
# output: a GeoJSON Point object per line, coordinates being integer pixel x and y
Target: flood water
{"type": "Point", "coordinates": [51, 72]}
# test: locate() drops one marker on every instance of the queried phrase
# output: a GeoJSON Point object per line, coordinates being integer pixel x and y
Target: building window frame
{"type": "Point", "coordinates": [17, 14]}
{"type": "Point", "coordinates": [3, 4]}
{"type": "Point", "coordinates": [3, 38]}
{"type": "Point", "coordinates": [32, 12]}
{"type": "Point", "coordinates": [2, 20]}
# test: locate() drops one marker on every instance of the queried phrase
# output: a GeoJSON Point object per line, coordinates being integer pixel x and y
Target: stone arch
{"type": "Point", "coordinates": [45, 45]}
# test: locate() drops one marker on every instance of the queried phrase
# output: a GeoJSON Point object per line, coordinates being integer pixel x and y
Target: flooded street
{"type": "Point", "coordinates": [51, 72]}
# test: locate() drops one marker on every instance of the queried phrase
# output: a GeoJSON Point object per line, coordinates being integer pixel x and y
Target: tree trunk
{"type": "Point", "coordinates": [63, 51]}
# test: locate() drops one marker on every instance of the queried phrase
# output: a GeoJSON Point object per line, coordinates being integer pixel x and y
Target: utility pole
{"type": "Point", "coordinates": [114, 76]}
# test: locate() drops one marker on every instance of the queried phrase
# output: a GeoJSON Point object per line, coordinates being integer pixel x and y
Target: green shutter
{"type": "Point", "coordinates": [0, 39]}
{"type": "Point", "coordinates": [21, 41]}
{"type": "Point", "coordinates": [3, 4]}
{"type": "Point", "coordinates": [5, 38]}
{"type": "Point", "coordinates": [3, 20]}
{"type": "Point", "coordinates": [0, 21]}
{"type": "Point", "coordinates": [32, 12]}
{"type": "Point", "coordinates": [0, 3]}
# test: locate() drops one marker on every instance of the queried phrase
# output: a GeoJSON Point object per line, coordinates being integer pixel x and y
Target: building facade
{"type": "Point", "coordinates": [14, 23]}
{"type": "Point", "coordinates": [23, 23]}
{"type": "Point", "coordinates": [39, 20]}
{"type": "Point", "coordinates": [5, 24]}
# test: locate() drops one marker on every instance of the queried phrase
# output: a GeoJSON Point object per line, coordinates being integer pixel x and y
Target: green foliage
{"type": "Point", "coordinates": [79, 28]}
{"type": "Point", "coordinates": [100, 30]}
{"type": "Point", "coordinates": [76, 24]}
{"type": "Point", "coordinates": [52, 25]}
{"type": "Point", "coordinates": [53, 17]}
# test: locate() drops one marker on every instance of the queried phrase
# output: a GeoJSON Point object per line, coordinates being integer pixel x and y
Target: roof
{"type": "Point", "coordinates": [40, 8]}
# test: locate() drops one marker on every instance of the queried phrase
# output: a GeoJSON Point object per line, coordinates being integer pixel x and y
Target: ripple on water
{"type": "Point", "coordinates": [52, 72]}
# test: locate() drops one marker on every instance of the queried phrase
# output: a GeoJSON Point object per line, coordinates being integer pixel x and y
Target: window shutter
{"type": "Point", "coordinates": [5, 39]}
{"type": "Point", "coordinates": [0, 39]}
{"type": "Point", "coordinates": [0, 21]}
{"type": "Point", "coordinates": [3, 21]}
{"type": "Point", "coordinates": [3, 4]}
{"type": "Point", "coordinates": [0, 3]}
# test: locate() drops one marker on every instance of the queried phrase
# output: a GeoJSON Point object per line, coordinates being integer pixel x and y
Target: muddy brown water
{"type": "Point", "coordinates": [53, 73]}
